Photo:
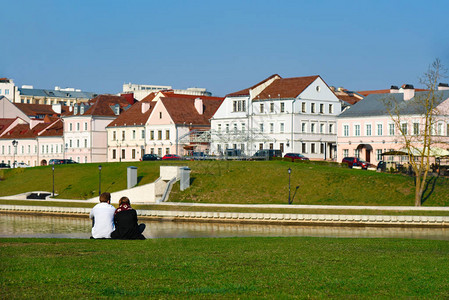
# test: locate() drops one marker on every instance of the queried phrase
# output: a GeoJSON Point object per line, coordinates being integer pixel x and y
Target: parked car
{"type": "Point", "coordinates": [266, 154]}
{"type": "Point", "coordinates": [61, 161]}
{"type": "Point", "coordinates": [4, 166]}
{"type": "Point", "coordinates": [171, 157]}
{"type": "Point", "coordinates": [146, 157]}
{"type": "Point", "coordinates": [355, 161]}
{"type": "Point", "coordinates": [22, 165]}
{"type": "Point", "coordinates": [295, 156]}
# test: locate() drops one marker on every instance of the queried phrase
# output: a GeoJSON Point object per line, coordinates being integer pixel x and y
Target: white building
{"type": "Point", "coordinates": [140, 91]}
{"type": "Point", "coordinates": [291, 114]}
{"type": "Point", "coordinates": [8, 89]}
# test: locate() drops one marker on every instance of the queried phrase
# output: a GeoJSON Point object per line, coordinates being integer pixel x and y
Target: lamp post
{"type": "Point", "coordinates": [99, 180]}
{"type": "Point", "coordinates": [53, 170]}
{"type": "Point", "coordinates": [289, 172]}
{"type": "Point", "coordinates": [14, 144]}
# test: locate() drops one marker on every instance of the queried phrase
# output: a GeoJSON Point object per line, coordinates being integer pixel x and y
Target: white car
{"type": "Point", "coordinates": [22, 165]}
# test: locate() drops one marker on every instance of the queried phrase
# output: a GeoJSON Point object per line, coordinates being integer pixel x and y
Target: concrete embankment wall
{"type": "Point", "coordinates": [255, 218]}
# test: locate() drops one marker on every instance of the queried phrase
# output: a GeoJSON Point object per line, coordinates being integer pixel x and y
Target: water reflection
{"type": "Point", "coordinates": [13, 225]}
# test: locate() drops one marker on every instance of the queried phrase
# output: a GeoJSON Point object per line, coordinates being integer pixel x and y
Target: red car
{"type": "Point", "coordinates": [295, 156]}
{"type": "Point", "coordinates": [171, 157]}
{"type": "Point", "coordinates": [354, 161]}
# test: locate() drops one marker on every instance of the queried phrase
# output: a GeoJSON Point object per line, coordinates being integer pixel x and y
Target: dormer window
{"type": "Point", "coordinates": [81, 109]}
{"type": "Point", "coordinates": [75, 110]}
{"type": "Point", "coordinates": [117, 109]}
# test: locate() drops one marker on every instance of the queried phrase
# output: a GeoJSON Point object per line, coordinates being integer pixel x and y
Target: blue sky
{"type": "Point", "coordinates": [223, 46]}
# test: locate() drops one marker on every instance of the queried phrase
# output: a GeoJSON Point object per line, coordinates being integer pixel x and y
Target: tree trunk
{"type": "Point", "coordinates": [418, 192]}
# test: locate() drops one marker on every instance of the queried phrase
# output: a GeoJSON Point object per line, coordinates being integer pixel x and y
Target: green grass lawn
{"type": "Point", "coordinates": [250, 182]}
{"type": "Point", "coordinates": [224, 268]}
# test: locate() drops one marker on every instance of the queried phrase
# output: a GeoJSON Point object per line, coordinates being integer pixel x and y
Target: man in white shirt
{"type": "Point", "coordinates": [103, 218]}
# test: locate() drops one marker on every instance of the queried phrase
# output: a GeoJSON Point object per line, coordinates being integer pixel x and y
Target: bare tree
{"type": "Point", "coordinates": [415, 121]}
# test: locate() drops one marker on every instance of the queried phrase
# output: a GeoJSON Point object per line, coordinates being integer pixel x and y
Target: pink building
{"type": "Point", "coordinates": [85, 136]}
{"type": "Point", "coordinates": [366, 130]}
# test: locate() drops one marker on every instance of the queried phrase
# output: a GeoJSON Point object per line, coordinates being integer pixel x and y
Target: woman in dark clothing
{"type": "Point", "coordinates": [125, 220]}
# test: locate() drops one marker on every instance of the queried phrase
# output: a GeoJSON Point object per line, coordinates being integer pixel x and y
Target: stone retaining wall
{"type": "Point", "coordinates": [268, 218]}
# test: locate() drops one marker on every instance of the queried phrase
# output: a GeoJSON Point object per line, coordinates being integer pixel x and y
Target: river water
{"type": "Point", "coordinates": [15, 225]}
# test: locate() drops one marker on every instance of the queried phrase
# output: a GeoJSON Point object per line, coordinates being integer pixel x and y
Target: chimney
{"type": "Point", "coordinates": [443, 87]}
{"type": "Point", "coordinates": [145, 107]}
{"type": "Point", "coordinates": [57, 108]}
{"type": "Point", "coordinates": [199, 105]}
{"type": "Point", "coordinates": [70, 108]}
{"type": "Point", "coordinates": [394, 89]}
{"type": "Point", "coordinates": [409, 91]}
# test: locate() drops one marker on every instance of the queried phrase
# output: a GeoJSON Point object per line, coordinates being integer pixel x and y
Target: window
{"type": "Point", "coordinates": [404, 128]}
{"type": "Point", "coordinates": [160, 115]}
{"type": "Point", "coordinates": [159, 134]}
{"type": "Point", "coordinates": [77, 144]}
{"type": "Point", "coordinates": [282, 107]}
{"type": "Point", "coordinates": [114, 135]}
{"type": "Point", "coordinates": [134, 134]}
{"type": "Point", "coordinates": [321, 128]}
{"type": "Point", "coordinates": [312, 128]}
{"type": "Point", "coordinates": [345, 130]}
{"type": "Point", "coordinates": [447, 129]}
{"type": "Point", "coordinates": [152, 150]}
{"type": "Point", "coordinates": [391, 129]}
{"type": "Point", "coordinates": [322, 148]}
{"type": "Point", "coordinates": [114, 154]}
{"type": "Point", "coordinates": [379, 129]}
{"type": "Point", "coordinates": [70, 143]}
{"type": "Point", "coordinates": [271, 107]}
{"type": "Point", "coordinates": [439, 129]}
{"type": "Point", "coordinates": [312, 148]}
{"type": "Point", "coordinates": [133, 153]}
{"type": "Point", "coordinates": [70, 127]}
{"type": "Point", "coordinates": [271, 146]}
{"type": "Point", "coordinates": [313, 108]}
{"type": "Point", "coordinates": [345, 152]}
{"type": "Point", "coordinates": [143, 134]}
{"type": "Point", "coordinates": [357, 153]}
{"type": "Point", "coordinates": [368, 129]}
{"type": "Point", "coordinates": [235, 127]}
{"type": "Point", "coordinates": [357, 130]}
{"type": "Point", "coordinates": [227, 128]}
{"type": "Point", "coordinates": [85, 143]}
{"type": "Point", "coordinates": [238, 105]}
{"type": "Point", "coordinates": [167, 134]}
{"type": "Point", "coordinates": [415, 128]}
{"type": "Point", "coordinates": [261, 108]}
{"type": "Point", "coordinates": [77, 126]}
{"type": "Point", "coordinates": [271, 127]}
{"type": "Point", "coordinates": [303, 107]}
{"type": "Point", "coordinates": [321, 108]}
{"type": "Point", "coordinates": [331, 108]}
{"type": "Point", "coordinates": [260, 146]}
{"type": "Point", "coordinates": [261, 127]}
{"type": "Point", "coordinates": [281, 128]}
{"type": "Point", "coordinates": [243, 127]}
{"type": "Point", "coordinates": [331, 128]}
{"type": "Point", "coordinates": [123, 153]}
{"type": "Point", "coordinates": [167, 150]}
{"type": "Point", "coordinates": [6, 91]}
{"type": "Point", "coordinates": [379, 154]}
{"type": "Point", "coordinates": [303, 148]}
{"type": "Point", "coordinates": [29, 149]}
{"type": "Point", "coordinates": [151, 134]}
{"type": "Point", "coordinates": [85, 126]}
{"type": "Point", "coordinates": [303, 127]}
{"type": "Point", "coordinates": [219, 127]}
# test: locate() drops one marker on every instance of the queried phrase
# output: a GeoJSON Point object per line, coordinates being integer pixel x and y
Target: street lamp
{"type": "Point", "coordinates": [99, 180]}
{"type": "Point", "coordinates": [53, 169]}
{"type": "Point", "coordinates": [14, 144]}
{"type": "Point", "coordinates": [289, 172]}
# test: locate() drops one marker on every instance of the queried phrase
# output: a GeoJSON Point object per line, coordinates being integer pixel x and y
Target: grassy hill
{"type": "Point", "coordinates": [264, 182]}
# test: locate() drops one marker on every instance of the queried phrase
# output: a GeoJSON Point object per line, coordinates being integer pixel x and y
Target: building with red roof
{"type": "Point", "coordinates": [161, 123]}
{"type": "Point", "coordinates": [295, 114]}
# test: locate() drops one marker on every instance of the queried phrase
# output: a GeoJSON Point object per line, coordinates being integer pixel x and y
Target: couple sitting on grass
{"type": "Point", "coordinates": [120, 223]}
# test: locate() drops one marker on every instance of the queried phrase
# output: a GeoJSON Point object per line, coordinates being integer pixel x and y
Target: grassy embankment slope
{"type": "Point", "coordinates": [245, 182]}
{"type": "Point", "coordinates": [225, 268]}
